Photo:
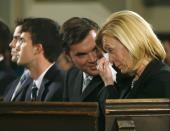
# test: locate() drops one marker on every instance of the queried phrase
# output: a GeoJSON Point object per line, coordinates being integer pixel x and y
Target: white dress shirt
{"type": "Point", "coordinates": [38, 81]}
{"type": "Point", "coordinates": [86, 80]}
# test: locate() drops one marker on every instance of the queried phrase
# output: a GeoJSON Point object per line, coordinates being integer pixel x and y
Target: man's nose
{"type": "Point", "coordinates": [12, 44]}
{"type": "Point", "coordinates": [18, 45]}
{"type": "Point", "coordinates": [92, 57]}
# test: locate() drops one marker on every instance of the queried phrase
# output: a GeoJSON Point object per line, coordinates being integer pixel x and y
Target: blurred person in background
{"type": "Point", "coordinates": [64, 62]}
{"type": "Point", "coordinates": [165, 39]}
{"type": "Point", "coordinates": [6, 73]}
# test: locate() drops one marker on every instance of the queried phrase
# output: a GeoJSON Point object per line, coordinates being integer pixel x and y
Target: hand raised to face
{"type": "Point", "coordinates": [107, 73]}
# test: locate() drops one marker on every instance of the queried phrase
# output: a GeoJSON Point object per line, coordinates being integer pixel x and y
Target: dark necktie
{"type": "Point", "coordinates": [34, 92]}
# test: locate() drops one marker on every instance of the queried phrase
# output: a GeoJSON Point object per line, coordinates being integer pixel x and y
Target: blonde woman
{"type": "Point", "coordinates": [135, 50]}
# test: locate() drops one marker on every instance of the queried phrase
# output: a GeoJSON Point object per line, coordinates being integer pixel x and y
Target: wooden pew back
{"type": "Point", "coordinates": [49, 116]}
{"type": "Point", "coordinates": [137, 115]}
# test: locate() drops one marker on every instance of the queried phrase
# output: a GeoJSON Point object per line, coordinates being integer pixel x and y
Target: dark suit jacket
{"type": "Point", "coordinates": [20, 95]}
{"type": "Point", "coordinates": [73, 87]}
{"type": "Point", "coordinates": [52, 85]}
{"type": "Point", "coordinates": [7, 75]}
{"type": "Point", "coordinates": [154, 82]}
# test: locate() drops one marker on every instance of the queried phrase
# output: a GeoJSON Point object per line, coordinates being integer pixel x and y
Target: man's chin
{"type": "Point", "coordinates": [20, 62]}
{"type": "Point", "coordinates": [14, 59]}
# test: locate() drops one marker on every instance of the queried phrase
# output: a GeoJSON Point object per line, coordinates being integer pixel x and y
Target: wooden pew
{"type": "Point", "coordinates": [137, 115]}
{"type": "Point", "coordinates": [49, 116]}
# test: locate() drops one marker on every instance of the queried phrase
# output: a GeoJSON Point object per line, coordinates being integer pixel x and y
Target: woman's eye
{"type": "Point", "coordinates": [109, 50]}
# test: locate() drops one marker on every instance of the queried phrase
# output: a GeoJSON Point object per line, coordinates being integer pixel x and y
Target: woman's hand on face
{"type": "Point", "coordinates": [105, 71]}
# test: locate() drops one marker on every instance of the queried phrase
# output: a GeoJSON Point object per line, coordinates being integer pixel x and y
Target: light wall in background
{"type": "Point", "coordinates": [61, 11]}
{"type": "Point", "coordinates": [157, 16]}
{"type": "Point", "coordinates": [98, 10]}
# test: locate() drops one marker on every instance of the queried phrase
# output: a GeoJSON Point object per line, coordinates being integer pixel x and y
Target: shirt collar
{"type": "Point", "coordinates": [85, 76]}
{"type": "Point", "coordinates": [38, 81]}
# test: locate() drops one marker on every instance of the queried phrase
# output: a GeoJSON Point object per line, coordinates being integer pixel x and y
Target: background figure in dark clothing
{"type": "Point", "coordinates": [165, 39]}
{"type": "Point", "coordinates": [6, 72]}
{"type": "Point", "coordinates": [64, 62]}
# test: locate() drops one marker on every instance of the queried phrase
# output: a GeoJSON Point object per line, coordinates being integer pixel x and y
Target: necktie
{"type": "Point", "coordinates": [34, 92]}
{"type": "Point", "coordinates": [86, 82]}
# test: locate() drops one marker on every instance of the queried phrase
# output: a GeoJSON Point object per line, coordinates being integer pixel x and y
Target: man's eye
{"type": "Point", "coordinates": [21, 40]}
{"type": "Point", "coordinates": [95, 49]}
{"type": "Point", "coordinates": [81, 55]}
{"type": "Point", "coordinates": [16, 38]}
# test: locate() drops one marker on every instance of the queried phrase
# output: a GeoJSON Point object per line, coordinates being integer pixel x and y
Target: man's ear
{"type": "Point", "coordinates": [38, 48]}
{"type": "Point", "coordinates": [67, 54]}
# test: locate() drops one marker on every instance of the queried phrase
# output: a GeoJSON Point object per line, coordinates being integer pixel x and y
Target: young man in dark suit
{"type": "Point", "coordinates": [78, 36]}
{"type": "Point", "coordinates": [38, 48]}
{"type": "Point", "coordinates": [15, 91]}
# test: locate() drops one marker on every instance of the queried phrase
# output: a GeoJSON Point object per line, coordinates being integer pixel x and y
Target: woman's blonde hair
{"type": "Point", "coordinates": [134, 33]}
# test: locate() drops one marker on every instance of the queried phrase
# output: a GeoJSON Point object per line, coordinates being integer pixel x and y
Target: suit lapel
{"type": "Point", "coordinates": [95, 82]}
{"type": "Point", "coordinates": [45, 85]}
{"type": "Point", "coordinates": [23, 86]}
{"type": "Point", "coordinates": [78, 86]}
{"type": "Point", "coordinates": [28, 92]}
{"type": "Point", "coordinates": [43, 90]}
{"type": "Point", "coordinates": [11, 91]}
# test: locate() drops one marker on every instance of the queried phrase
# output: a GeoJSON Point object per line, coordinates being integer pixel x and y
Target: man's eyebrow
{"type": "Point", "coordinates": [80, 53]}
{"type": "Point", "coordinates": [84, 53]}
{"type": "Point", "coordinates": [16, 37]}
{"type": "Point", "coordinates": [94, 48]}
{"type": "Point", "coordinates": [21, 39]}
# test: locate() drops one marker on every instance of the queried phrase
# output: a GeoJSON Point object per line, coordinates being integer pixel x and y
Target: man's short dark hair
{"type": "Point", "coordinates": [21, 21]}
{"type": "Point", "coordinates": [5, 37]}
{"type": "Point", "coordinates": [75, 30]}
{"type": "Point", "coordinates": [46, 32]}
